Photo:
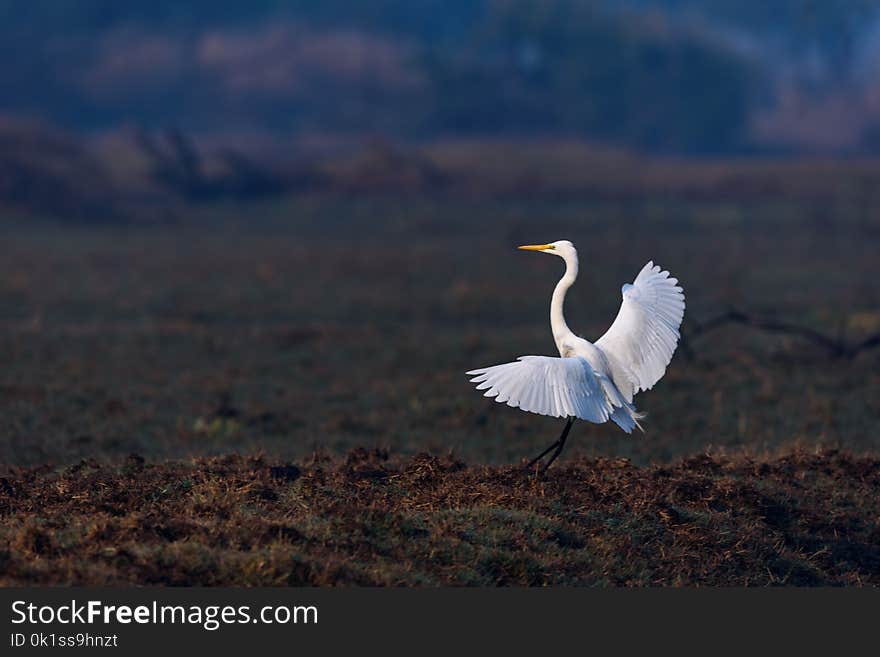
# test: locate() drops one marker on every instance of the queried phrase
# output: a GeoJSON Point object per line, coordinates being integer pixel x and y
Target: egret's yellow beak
{"type": "Point", "coordinates": [536, 247]}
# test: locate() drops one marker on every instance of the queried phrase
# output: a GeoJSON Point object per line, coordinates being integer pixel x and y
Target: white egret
{"type": "Point", "coordinates": [594, 381]}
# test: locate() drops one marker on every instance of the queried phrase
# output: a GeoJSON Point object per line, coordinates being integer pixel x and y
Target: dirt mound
{"type": "Point", "coordinates": [368, 519]}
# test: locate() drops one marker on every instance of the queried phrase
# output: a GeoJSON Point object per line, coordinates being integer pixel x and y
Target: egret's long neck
{"type": "Point", "coordinates": [557, 318]}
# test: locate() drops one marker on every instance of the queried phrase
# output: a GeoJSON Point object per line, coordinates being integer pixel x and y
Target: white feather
{"type": "Point", "coordinates": [644, 335]}
{"type": "Point", "coordinates": [558, 387]}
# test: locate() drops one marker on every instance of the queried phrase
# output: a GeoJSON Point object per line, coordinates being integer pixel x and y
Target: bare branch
{"type": "Point", "coordinates": [836, 347]}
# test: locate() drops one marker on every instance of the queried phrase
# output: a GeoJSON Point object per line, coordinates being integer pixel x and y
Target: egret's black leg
{"type": "Point", "coordinates": [541, 455]}
{"type": "Point", "coordinates": [561, 442]}
{"type": "Point", "coordinates": [558, 445]}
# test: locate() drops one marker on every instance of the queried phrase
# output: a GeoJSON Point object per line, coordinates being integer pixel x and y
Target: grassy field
{"type": "Point", "coordinates": [339, 324]}
{"type": "Point", "coordinates": [302, 329]}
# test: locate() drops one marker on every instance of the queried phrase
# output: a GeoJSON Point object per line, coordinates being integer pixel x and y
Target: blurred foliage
{"type": "Point", "coordinates": [671, 75]}
{"type": "Point", "coordinates": [489, 67]}
{"type": "Point", "coordinates": [567, 67]}
{"type": "Point", "coordinates": [830, 28]}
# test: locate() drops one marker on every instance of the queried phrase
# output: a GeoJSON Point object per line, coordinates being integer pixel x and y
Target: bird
{"type": "Point", "coordinates": [593, 381]}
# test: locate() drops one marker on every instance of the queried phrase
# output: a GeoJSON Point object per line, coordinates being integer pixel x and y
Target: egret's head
{"type": "Point", "coordinates": [563, 248]}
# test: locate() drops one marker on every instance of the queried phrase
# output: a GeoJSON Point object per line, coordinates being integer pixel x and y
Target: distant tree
{"type": "Point", "coordinates": [567, 66]}
{"type": "Point", "coordinates": [831, 29]}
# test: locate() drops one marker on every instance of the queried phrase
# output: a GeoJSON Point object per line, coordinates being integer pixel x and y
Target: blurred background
{"type": "Point", "coordinates": [286, 226]}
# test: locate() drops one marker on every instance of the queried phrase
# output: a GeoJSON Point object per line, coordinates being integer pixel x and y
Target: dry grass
{"type": "Point", "coordinates": [797, 519]}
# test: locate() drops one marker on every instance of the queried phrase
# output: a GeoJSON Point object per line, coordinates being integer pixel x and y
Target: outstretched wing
{"type": "Point", "coordinates": [643, 337]}
{"type": "Point", "coordinates": [559, 387]}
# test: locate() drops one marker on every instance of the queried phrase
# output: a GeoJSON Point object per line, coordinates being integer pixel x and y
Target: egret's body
{"type": "Point", "coordinates": [594, 381]}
